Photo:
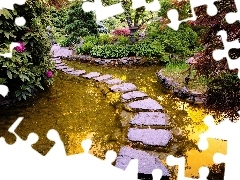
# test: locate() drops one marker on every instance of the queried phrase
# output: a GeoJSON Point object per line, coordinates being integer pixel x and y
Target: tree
{"type": "Point", "coordinates": [136, 18]}
{"type": "Point", "coordinates": [224, 85]}
{"type": "Point", "coordinates": [79, 23]}
{"type": "Point", "coordinates": [30, 67]}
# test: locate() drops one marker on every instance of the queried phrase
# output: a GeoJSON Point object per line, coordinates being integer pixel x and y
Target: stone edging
{"type": "Point", "coordinates": [181, 92]}
{"type": "Point", "coordinates": [107, 62]}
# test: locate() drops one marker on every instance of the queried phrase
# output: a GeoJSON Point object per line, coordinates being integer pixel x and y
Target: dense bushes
{"type": "Point", "coordinates": [159, 43]}
{"type": "Point", "coordinates": [30, 67]}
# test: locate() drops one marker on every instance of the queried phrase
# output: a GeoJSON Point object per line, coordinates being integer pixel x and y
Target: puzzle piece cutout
{"type": "Point", "coordinates": [234, 16]}
{"type": "Point", "coordinates": [4, 90]}
{"type": "Point", "coordinates": [173, 161]}
{"type": "Point", "coordinates": [21, 158]}
{"type": "Point", "coordinates": [103, 13]}
{"type": "Point", "coordinates": [173, 14]}
{"type": "Point", "coordinates": [225, 130]}
{"type": "Point", "coordinates": [219, 54]}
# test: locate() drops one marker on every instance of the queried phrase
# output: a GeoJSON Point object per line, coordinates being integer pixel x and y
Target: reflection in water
{"type": "Point", "coordinates": [77, 109]}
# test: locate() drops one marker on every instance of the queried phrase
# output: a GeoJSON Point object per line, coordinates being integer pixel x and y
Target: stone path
{"type": "Point", "coordinates": [148, 113]}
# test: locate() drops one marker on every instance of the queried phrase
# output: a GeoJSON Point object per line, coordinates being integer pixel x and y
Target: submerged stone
{"type": "Point", "coordinates": [133, 95]}
{"type": "Point", "coordinates": [91, 75]}
{"type": "Point", "coordinates": [61, 67]}
{"type": "Point", "coordinates": [150, 119]}
{"type": "Point", "coordinates": [146, 162]}
{"type": "Point", "coordinates": [153, 137]}
{"type": "Point", "coordinates": [113, 81]}
{"type": "Point", "coordinates": [146, 104]}
{"type": "Point", "coordinates": [68, 70]}
{"type": "Point", "coordinates": [125, 87]}
{"type": "Point", "coordinates": [102, 78]}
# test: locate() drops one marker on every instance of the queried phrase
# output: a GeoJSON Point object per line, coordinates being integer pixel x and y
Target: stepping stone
{"type": "Point", "coordinates": [58, 61]}
{"type": "Point", "coordinates": [68, 70]}
{"type": "Point", "coordinates": [91, 75]}
{"type": "Point", "coordinates": [152, 137]}
{"type": "Point", "coordinates": [149, 119]}
{"type": "Point", "coordinates": [146, 104]}
{"type": "Point", "coordinates": [62, 67]}
{"type": "Point", "coordinates": [146, 162]}
{"type": "Point", "coordinates": [102, 78]}
{"type": "Point", "coordinates": [77, 72]}
{"type": "Point", "coordinates": [125, 87]}
{"type": "Point", "coordinates": [113, 81]}
{"type": "Point", "coordinates": [61, 64]}
{"type": "Point", "coordinates": [133, 95]}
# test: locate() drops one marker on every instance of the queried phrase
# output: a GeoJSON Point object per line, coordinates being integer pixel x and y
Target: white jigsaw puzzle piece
{"type": "Point", "coordinates": [219, 54]}
{"type": "Point", "coordinates": [173, 14]}
{"type": "Point", "coordinates": [9, 4]}
{"type": "Point", "coordinates": [101, 11]}
{"type": "Point", "coordinates": [4, 90]}
{"type": "Point", "coordinates": [173, 161]}
{"type": "Point", "coordinates": [225, 130]}
{"type": "Point", "coordinates": [234, 16]}
{"type": "Point", "coordinates": [153, 6]}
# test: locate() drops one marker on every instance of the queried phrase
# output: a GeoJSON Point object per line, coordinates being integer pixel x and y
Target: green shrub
{"type": "Point", "coordinates": [25, 72]}
{"type": "Point", "coordinates": [109, 51]}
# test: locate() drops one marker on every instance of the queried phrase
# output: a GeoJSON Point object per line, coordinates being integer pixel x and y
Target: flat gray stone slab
{"type": "Point", "coordinates": [103, 78]}
{"type": "Point", "coordinates": [125, 87]}
{"type": "Point", "coordinates": [68, 70]}
{"type": "Point", "coordinates": [153, 137]}
{"type": "Point", "coordinates": [145, 104]}
{"type": "Point", "coordinates": [62, 67]}
{"type": "Point", "coordinates": [60, 51]}
{"type": "Point", "coordinates": [146, 162]}
{"type": "Point", "coordinates": [77, 72]}
{"type": "Point", "coordinates": [58, 61]}
{"type": "Point", "coordinates": [61, 64]}
{"type": "Point", "coordinates": [149, 119]}
{"type": "Point", "coordinates": [91, 75]}
{"type": "Point", "coordinates": [113, 81]}
{"type": "Point", "coordinates": [133, 95]}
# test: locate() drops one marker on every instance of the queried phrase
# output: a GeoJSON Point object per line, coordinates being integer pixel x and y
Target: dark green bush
{"type": "Point", "coordinates": [109, 51]}
{"type": "Point", "coordinates": [25, 72]}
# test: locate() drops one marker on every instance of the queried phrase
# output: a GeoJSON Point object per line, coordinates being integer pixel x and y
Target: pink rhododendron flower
{"type": "Point", "coordinates": [49, 73]}
{"type": "Point", "coordinates": [20, 48]}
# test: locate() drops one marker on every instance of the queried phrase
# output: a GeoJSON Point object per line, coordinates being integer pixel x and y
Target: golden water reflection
{"type": "Point", "coordinates": [77, 109]}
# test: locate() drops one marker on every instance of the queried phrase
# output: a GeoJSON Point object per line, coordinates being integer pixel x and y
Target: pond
{"type": "Point", "coordinates": [77, 109]}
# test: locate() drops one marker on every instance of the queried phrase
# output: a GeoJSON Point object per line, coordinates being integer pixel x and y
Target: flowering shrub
{"type": "Point", "coordinates": [25, 72]}
{"type": "Point", "coordinates": [121, 32]}
{"type": "Point", "coordinates": [20, 48]}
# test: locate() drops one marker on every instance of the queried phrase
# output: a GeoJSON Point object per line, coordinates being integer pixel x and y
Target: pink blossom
{"type": "Point", "coordinates": [49, 73]}
{"type": "Point", "coordinates": [123, 31]}
{"type": "Point", "coordinates": [20, 48]}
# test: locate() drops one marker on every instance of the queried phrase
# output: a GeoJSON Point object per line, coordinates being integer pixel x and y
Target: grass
{"type": "Point", "coordinates": [176, 72]}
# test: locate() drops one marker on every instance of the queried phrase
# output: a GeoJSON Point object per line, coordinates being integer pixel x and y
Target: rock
{"type": "Point", "coordinates": [113, 81]}
{"type": "Point", "coordinates": [125, 87]}
{"type": "Point", "coordinates": [146, 162]}
{"type": "Point", "coordinates": [77, 72]}
{"type": "Point", "coordinates": [152, 137]}
{"type": "Point", "coordinates": [91, 75]}
{"type": "Point", "coordinates": [133, 95]}
{"type": "Point", "coordinates": [150, 119]}
{"type": "Point", "coordinates": [146, 104]}
{"type": "Point", "coordinates": [61, 67]}
{"type": "Point", "coordinates": [102, 78]}
{"type": "Point", "coordinates": [58, 62]}
{"type": "Point", "coordinates": [68, 70]}
{"type": "Point", "coordinates": [61, 64]}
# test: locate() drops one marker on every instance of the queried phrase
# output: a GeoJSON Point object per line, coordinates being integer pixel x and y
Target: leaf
{"type": "Point", "coordinates": [9, 74]}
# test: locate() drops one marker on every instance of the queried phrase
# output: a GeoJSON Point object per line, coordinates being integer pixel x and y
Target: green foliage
{"type": "Point", "coordinates": [224, 93]}
{"type": "Point", "coordinates": [79, 23]}
{"type": "Point", "coordinates": [24, 73]}
{"type": "Point", "coordinates": [109, 51]}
